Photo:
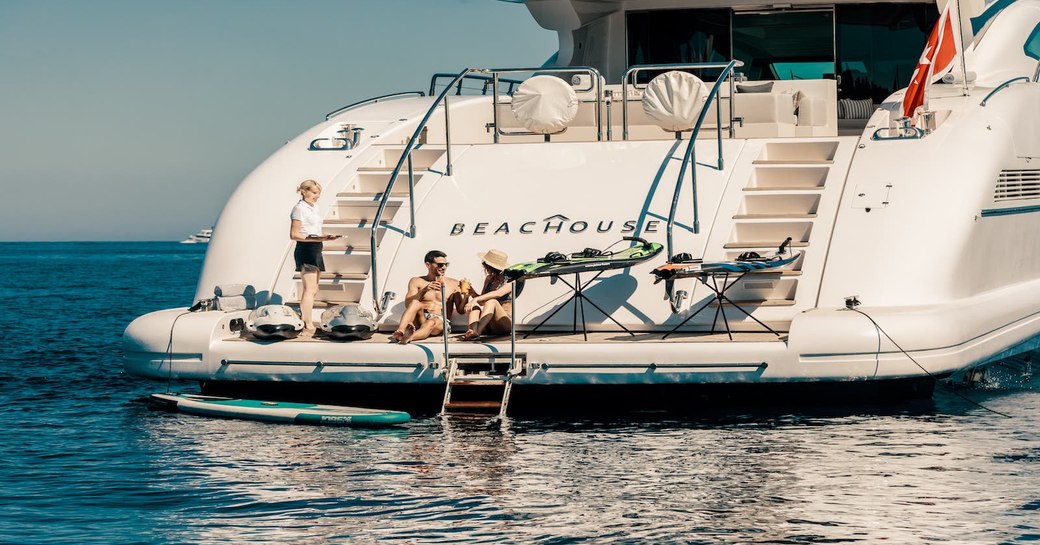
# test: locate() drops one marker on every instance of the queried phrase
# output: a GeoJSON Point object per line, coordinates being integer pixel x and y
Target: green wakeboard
{"type": "Point", "coordinates": [586, 261]}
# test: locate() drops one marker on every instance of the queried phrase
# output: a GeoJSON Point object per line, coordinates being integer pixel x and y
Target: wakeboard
{"type": "Point", "coordinates": [279, 411]}
{"type": "Point", "coordinates": [682, 266]}
{"type": "Point", "coordinates": [588, 260]}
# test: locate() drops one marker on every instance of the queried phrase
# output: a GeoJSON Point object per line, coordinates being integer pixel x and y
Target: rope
{"type": "Point", "coordinates": [933, 377]}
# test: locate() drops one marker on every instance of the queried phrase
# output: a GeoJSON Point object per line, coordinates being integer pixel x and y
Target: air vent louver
{"type": "Point", "coordinates": [1013, 185]}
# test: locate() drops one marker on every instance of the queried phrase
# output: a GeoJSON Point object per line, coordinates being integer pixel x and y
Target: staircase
{"type": "Point", "coordinates": [348, 260]}
{"type": "Point", "coordinates": [479, 383]}
{"type": "Point", "coordinates": [781, 199]}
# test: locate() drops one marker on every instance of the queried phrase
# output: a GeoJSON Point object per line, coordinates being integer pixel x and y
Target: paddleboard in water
{"type": "Point", "coordinates": [279, 411]}
{"type": "Point", "coordinates": [586, 261]}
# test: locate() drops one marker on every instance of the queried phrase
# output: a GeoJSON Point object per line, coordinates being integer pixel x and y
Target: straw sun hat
{"type": "Point", "coordinates": [496, 259]}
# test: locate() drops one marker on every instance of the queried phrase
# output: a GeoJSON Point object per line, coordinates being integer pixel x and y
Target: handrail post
{"type": "Point", "coordinates": [494, 107]}
{"type": "Point", "coordinates": [624, 108]}
{"type": "Point", "coordinates": [447, 133]}
{"type": "Point", "coordinates": [599, 106]}
{"type": "Point", "coordinates": [406, 156]}
{"type": "Point", "coordinates": [411, 196]}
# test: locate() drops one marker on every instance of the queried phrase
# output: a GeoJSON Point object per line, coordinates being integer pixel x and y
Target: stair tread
{"type": "Point", "coordinates": [347, 221]}
{"type": "Point", "coordinates": [337, 276]}
{"type": "Point", "coordinates": [793, 162]}
{"type": "Point", "coordinates": [762, 244]}
{"type": "Point", "coordinates": [374, 196]}
{"type": "Point", "coordinates": [772, 216]}
{"type": "Point", "coordinates": [785, 188]}
{"type": "Point", "coordinates": [759, 302]}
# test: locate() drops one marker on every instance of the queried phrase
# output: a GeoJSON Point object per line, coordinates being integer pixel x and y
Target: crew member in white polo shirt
{"type": "Point", "coordinates": [306, 231]}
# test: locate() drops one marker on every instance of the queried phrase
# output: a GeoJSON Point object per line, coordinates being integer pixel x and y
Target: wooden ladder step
{"type": "Point", "coordinates": [473, 406]}
{"type": "Point", "coordinates": [793, 162]}
{"type": "Point", "coordinates": [496, 382]}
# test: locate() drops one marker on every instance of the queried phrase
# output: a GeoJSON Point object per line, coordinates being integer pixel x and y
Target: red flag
{"type": "Point", "coordinates": [938, 58]}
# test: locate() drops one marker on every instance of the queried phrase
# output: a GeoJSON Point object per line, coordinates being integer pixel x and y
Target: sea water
{"type": "Point", "coordinates": [84, 460]}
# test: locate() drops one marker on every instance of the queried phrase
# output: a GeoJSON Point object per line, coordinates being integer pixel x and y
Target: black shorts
{"type": "Point", "coordinates": [308, 257]}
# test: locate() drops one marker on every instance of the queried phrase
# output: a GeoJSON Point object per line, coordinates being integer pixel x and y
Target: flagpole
{"type": "Point", "coordinates": [962, 47]}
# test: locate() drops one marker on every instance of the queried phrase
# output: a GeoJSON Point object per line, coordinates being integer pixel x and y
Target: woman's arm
{"type": "Point", "coordinates": [506, 289]}
{"type": "Point", "coordinates": [296, 231]}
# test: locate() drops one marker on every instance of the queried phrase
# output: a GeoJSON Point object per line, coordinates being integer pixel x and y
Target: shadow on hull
{"type": "Point", "coordinates": [540, 400]}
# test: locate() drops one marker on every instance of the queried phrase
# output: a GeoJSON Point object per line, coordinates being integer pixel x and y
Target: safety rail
{"type": "Point", "coordinates": [485, 81]}
{"type": "Point", "coordinates": [406, 156]}
{"type": "Point", "coordinates": [380, 98]}
{"type": "Point", "coordinates": [635, 70]}
{"type": "Point", "coordinates": [595, 82]}
{"type": "Point", "coordinates": [1003, 86]}
{"type": "Point", "coordinates": [691, 155]}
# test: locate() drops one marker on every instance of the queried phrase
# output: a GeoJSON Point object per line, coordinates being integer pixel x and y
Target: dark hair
{"type": "Point", "coordinates": [434, 254]}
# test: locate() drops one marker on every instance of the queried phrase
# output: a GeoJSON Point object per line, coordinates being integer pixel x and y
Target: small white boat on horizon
{"type": "Point", "coordinates": [202, 237]}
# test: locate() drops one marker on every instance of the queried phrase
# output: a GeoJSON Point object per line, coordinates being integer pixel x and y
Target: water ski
{"type": "Point", "coordinates": [279, 411]}
{"type": "Point", "coordinates": [588, 260]}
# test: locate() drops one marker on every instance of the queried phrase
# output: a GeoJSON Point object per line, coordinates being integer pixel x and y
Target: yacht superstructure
{"type": "Point", "coordinates": [915, 234]}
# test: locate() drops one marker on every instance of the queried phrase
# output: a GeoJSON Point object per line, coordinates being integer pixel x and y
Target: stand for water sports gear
{"type": "Point", "coordinates": [556, 265]}
{"type": "Point", "coordinates": [578, 298]}
{"type": "Point", "coordinates": [747, 262]}
{"type": "Point", "coordinates": [719, 291]}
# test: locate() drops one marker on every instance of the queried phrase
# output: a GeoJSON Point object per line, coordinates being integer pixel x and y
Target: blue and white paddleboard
{"type": "Point", "coordinates": [279, 411]}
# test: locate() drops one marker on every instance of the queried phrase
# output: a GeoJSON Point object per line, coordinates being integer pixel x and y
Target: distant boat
{"type": "Point", "coordinates": [201, 237]}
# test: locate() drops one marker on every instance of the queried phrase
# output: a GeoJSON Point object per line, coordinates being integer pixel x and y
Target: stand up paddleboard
{"type": "Point", "coordinates": [589, 260]}
{"type": "Point", "coordinates": [278, 411]}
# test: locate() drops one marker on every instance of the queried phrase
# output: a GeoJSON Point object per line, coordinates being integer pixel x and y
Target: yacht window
{"type": "Point", "coordinates": [878, 49]}
{"type": "Point", "coordinates": [1032, 46]}
{"type": "Point", "coordinates": [785, 44]}
{"type": "Point", "coordinates": [678, 36]}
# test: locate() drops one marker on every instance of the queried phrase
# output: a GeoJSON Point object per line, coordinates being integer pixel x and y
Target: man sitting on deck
{"type": "Point", "coordinates": [422, 315]}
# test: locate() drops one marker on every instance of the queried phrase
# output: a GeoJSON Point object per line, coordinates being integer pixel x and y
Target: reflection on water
{"type": "Point", "coordinates": [919, 476]}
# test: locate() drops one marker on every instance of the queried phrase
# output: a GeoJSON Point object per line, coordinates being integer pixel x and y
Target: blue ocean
{"type": "Point", "coordinates": [84, 460]}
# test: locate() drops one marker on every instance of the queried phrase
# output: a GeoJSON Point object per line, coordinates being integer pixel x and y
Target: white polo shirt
{"type": "Point", "coordinates": [308, 216]}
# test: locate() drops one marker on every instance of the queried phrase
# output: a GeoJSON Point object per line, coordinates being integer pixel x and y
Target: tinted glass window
{"type": "Point", "coordinates": [678, 36]}
{"type": "Point", "coordinates": [785, 44]}
{"type": "Point", "coordinates": [878, 49]}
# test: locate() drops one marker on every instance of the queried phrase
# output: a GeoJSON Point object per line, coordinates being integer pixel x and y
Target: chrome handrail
{"type": "Point", "coordinates": [1003, 86]}
{"type": "Point", "coordinates": [403, 94]}
{"type": "Point", "coordinates": [406, 156]}
{"type": "Point", "coordinates": [691, 157]}
{"type": "Point", "coordinates": [596, 83]}
{"type": "Point", "coordinates": [632, 71]}
{"type": "Point", "coordinates": [485, 79]}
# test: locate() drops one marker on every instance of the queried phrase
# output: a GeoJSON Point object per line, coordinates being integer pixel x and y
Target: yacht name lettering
{"type": "Point", "coordinates": [552, 225]}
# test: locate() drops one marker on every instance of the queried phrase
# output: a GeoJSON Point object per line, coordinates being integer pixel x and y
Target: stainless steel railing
{"type": "Point", "coordinates": [633, 72]}
{"type": "Point", "coordinates": [406, 157]}
{"type": "Point", "coordinates": [690, 157]}
{"type": "Point", "coordinates": [595, 82]}
{"type": "Point", "coordinates": [486, 82]}
{"type": "Point", "coordinates": [381, 98]}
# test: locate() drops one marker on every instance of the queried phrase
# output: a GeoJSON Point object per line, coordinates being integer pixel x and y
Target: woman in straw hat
{"type": "Point", "coordinates": [490, 311]}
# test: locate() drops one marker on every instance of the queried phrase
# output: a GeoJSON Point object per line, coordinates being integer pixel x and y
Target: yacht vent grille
{"type": "Point", "coordinates": [1017, 184]}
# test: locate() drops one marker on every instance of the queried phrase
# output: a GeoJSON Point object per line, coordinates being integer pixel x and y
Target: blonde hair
{"type": "Point", "coordinates": [307, 184]}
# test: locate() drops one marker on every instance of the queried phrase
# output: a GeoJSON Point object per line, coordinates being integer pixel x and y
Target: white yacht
{"type": "Point", "coordinates": [202, 237]}
{"type": "Point", "coordinates": [914, 231]}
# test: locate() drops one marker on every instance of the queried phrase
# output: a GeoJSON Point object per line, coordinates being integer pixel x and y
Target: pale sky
{"type": "Point", "coordinates": [135, 119]}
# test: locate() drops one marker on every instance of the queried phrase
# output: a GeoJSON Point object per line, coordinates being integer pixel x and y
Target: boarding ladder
{"type": "Point", "coordinates": [480, 383]}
